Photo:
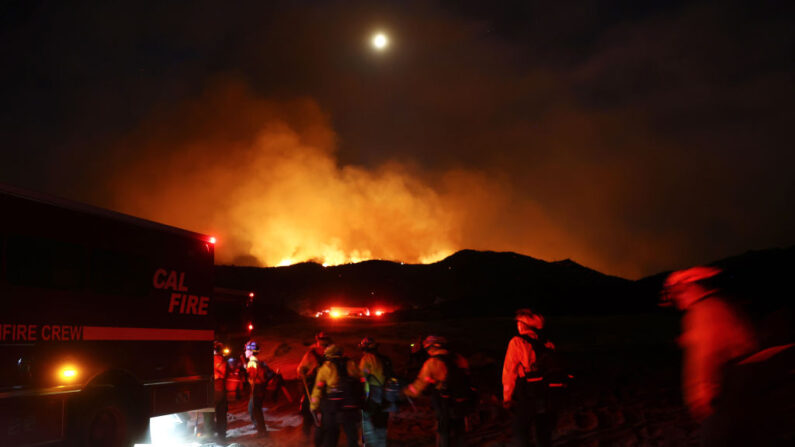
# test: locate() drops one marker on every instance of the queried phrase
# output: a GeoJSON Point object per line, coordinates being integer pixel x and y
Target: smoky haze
{"type": "Point", "coordinates": [264, 178]}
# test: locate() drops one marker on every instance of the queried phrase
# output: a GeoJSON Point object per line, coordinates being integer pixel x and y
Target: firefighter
{"type": "Point", "coordinates": [417, 357]}
{"type": "Point", "coordinates": [216, 422]}
{"type": "Point", "coordinates": [448, 376]}
{"type": "Point", "coordinates": [307, 370]}
{"type": "Point", "coordinates": [525, 389]}
{"type": "Point", "coordinates": [258, 376]}
{"type": "Point", "coordinates": [337, 395]}
{"type": "Point", "coordinates": [737, 379]}
{"type": "Point", "coordinates": [376, 369]}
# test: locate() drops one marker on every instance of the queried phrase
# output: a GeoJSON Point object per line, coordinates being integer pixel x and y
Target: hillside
{"type": "Point", "coordinates": [465, 284]}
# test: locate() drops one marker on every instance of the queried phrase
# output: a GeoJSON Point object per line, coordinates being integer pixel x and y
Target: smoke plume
{"type": "Point", "coordinates": [262, 177]}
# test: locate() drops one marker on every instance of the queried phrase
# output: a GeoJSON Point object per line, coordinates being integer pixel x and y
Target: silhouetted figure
{"type": "Point", "coordinates": [376, 369]}
{"type": "Point", "coordinates": [451, 394]}
{"type": "Point", "coordinates": [417, 357]}
{"type": "Point", "coordinates": [216, 421]}
{"type": "Point", "coordinates": [307, 371]}
{"type": "Point", "coordinates": [338, 395]}
{"type": "Point", "coordinates": [525, 387]}
{"type": "Point", "coordinates": [258, 376]}
{"type": "Point", "coordinates": [740, 388]}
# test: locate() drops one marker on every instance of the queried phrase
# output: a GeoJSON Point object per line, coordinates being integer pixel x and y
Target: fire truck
{"type": "Point", "coordinates": [105, 322]}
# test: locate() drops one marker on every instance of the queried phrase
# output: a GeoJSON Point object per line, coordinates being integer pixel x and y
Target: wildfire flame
{"type": "Point", "coordinates": [264, 178]}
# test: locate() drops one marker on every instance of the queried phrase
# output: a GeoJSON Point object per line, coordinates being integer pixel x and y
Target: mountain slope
{"type": "Point", "coordinates": [466, 283]}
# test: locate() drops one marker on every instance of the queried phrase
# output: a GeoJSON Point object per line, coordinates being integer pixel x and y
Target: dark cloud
{"type": "Point", "coordinates": [631, 136]}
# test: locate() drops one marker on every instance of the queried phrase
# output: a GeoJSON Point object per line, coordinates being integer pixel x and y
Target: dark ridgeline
{"type": "Point", "coordinates": [484, 283]}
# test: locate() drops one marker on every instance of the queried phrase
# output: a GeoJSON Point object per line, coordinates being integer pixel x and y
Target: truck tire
{"type": "Point", "coordinates": [106, 421]}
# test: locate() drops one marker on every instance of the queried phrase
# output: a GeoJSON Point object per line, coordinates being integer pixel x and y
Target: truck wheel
{"type": "Point", "coordinates": [106, 422]}
{"type": "Point", "coordinates": [106, 426]}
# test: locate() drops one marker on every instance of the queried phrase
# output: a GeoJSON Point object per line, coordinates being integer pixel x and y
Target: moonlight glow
{"type": "Point", "coordinates": [380, 41]}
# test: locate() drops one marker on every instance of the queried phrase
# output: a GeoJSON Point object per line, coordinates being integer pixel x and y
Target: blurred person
{"type": "Point", "coordinates": [337, 395]}
{"type": "Point", "coordinates": [235, 378]}
{"type": "Point", "coordinates": [258, 376]}
{"type": "Point", "coordinates": [216, 422]}
{"type": "Point", "coordinates": [447, 375]}
{"type": "Point", "coordinates": [242, 360]}
{"type": "Point", "coordinates": [417, 357]}
{"type": "Point", "coordinates": [376, 369]}
{"type": "Point", "coordinates": [307, 371]}
{"type": "Point", "coordinates": [736, 381]}
{"type": "Point", "coordinates": [525, 389]}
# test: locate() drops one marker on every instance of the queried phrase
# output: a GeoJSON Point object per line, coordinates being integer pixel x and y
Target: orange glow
{"type": "Point", "coordinates": [280, 195]}
{"type": "Point", "coordinates": [226, 351]}
{"type": "Point", "coordinates": [213, 240]}
{"type": "Point", "coordinates": [67, 373]}
{"type": "Point", "coordinates": [378, 313]}
{"type": "Point", "coordinates": [335, 314]}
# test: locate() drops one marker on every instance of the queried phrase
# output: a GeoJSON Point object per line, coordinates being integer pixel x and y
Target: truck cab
{"type": "Point", "coordinates": [105, 322]}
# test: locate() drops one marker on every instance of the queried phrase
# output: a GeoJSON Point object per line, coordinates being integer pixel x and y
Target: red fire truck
{"type": "Point", "coordinates": [104, 322]}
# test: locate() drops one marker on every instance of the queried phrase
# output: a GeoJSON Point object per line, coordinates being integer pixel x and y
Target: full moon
{"type": "Point", "coordinates": [380, 41]}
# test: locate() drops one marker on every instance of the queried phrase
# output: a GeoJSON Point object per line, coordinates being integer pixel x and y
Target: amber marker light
{"type": "Point", "coordinates": [226, 351]}
{"type": "Point", "coordinates": [67, 373]}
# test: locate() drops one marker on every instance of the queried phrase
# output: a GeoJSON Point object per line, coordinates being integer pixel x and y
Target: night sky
{"type": "Point", "coordinates": [632, 137]}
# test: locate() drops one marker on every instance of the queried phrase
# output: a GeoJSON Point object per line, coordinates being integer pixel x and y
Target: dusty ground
{"type": "Point", "coordinates": [626, 390]}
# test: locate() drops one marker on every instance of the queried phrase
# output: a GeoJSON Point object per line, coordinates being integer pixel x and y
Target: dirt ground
{"type": "Point", "coordinates": [625, 393]}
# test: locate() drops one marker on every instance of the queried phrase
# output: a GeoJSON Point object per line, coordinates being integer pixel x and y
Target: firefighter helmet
{"type": "Point", "coordinates": [368, 343]}
{"type": "Point", "coordinates": [530, 319]}
{"type": "Point", "coordinates": [252, 346]}
{"type": "Point", "coordinates": [322, 336]}
{"type": "Point", "coordinates": [678, 281]}
{"type": "Point", "coordinates": [434, 341]}
{"type": "Point", "coordinates": [323, 339]}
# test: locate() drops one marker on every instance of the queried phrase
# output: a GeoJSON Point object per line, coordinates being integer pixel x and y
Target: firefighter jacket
{"type": "Point", "coordinates": [219, 372]}
{"type": "Point", "coordinates": [258, 371]}
{"type": "Point", "coordinates": [714, 334]}
{"type": "Point", "coordinates": [310, 362]}
{"type": "Point", "coordinates": [433, 372]}
{"type": "Point", "coordinates": [520, 360]}
{"type": "Point", "coordinates": [372, 368]}
{"type": "Point", "coordinates": [328, 377]}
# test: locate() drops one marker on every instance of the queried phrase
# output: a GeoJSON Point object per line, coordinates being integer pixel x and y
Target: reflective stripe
{"type": "Point", "coordinates": [173, 380]}
{"type": "Point", "coordinates": [145, 334]}
{"type": "Point", "coordinates": [42, 391]}
{"type": "Point", "coordinates": [534, 379]}
{"type": "Point", "coordinates": [765, 354]}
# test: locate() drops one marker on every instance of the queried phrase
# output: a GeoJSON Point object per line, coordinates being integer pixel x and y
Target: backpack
{"type": "Point", "coordinates": [543, 386]}
{"type": "Point", "coordinates": [349, 392]}
{"type": "Point", "coordinates": [384, 396]}
{"type": "Point", "coordinates": [457, 395]}
{"type": "Point", "coordinates": [392, 388]}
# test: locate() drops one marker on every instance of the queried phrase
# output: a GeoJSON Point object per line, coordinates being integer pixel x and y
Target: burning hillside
{"type": "Point", "coordinates": [265, 178]}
